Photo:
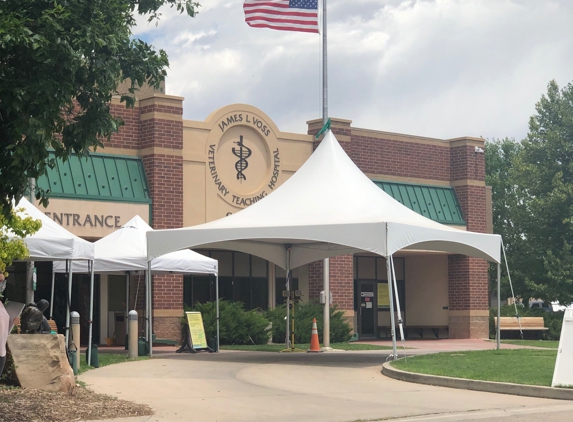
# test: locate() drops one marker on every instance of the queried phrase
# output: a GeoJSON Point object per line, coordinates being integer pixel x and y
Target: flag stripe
{"type": "Point", "coordinates": [278, 14]}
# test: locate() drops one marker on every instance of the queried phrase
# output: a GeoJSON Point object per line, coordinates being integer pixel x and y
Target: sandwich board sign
{"type": "Point", "coordinates": [563, 373]}
{"type": "Point", "coordinates": [195, 339]}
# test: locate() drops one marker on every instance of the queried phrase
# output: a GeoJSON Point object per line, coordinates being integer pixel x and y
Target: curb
{"type": "Point", "coordinates": [487, 386]}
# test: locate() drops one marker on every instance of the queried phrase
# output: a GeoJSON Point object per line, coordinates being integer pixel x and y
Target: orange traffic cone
{"type": "Point", "coordinates": [314, 345]}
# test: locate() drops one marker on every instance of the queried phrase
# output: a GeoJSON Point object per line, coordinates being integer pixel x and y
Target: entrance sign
{"type": "Point", "coordinates": [196, 330]}
{"type": "Point", "coordinates": [563, 373]}
{"type": "Point", "coordinates": [195, 339]}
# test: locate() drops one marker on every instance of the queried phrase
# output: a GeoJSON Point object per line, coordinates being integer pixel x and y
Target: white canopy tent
{"type": "Point", "coordinates": [54, 243]}
{"type": "Point", "coordinates": [327, 208]}
{"type": "Point", "coordinates": [125, 250]}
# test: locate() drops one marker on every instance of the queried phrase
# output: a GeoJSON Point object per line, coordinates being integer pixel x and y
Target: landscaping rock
{"type": "Point", "coordinates": [41, 362]}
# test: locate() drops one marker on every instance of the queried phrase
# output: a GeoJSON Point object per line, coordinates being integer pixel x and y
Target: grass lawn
{"type": "Point", "coordinates": [548, 344]}
{"type": "Point", "coordinates": [106, 359]}
{"type": "Point", "coordinates": [304, 347]}
{"type": "Point", "coordinates": [519, 366]}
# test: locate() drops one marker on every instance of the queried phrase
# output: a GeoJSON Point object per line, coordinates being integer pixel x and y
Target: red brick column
{"type": "Point", "coordinates": [341, 283]}
{"type": "Point", "coordinates": [468, 279]}
{"type": "Point", "coordinates": [315, 280]}
{"type": "Point", "coordinates": [161, 143]}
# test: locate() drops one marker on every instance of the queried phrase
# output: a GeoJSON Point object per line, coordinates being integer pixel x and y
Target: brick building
{"type": "Point", "coordinates": [175, 172]}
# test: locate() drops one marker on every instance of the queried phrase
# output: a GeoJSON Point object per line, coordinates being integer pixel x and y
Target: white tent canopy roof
{"type": "Point", "coordinates": [327, 208]}
{"type": "Point", "coordinates": [125, 250]}
{"type": "Point", "coordinates": [52, 242]}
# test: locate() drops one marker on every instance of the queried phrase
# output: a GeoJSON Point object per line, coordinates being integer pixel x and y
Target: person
{"type": "Point", "coordinates": [4, 325]}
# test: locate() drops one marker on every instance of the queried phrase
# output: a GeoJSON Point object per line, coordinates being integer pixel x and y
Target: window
{"type": "Point", "coordinates": [242, 278]}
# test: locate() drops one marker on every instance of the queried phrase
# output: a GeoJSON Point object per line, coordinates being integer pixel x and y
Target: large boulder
{"type": "Point", "coordinates": [41, 362]}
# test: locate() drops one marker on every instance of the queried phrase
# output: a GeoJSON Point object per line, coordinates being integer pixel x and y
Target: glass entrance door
{"type": "Point", "coordinates": [367, 309]}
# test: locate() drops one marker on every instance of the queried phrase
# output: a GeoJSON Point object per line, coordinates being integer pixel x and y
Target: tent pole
{"type": "Point", "coordinates": [52, 294]}
{"type": "Point", "coordinates": [150, 309]}
{"type": "Point", "coordinates": [400, 322]}
{"type": "Point", "coordinates": [69, 304]}
{"type": "Point", "coordinates": [391, 301]}
{"type": "Point", "coordinates": [89, 352]}
{"type": "Point", "coordinates": [126, 305]}
{"type": "Point", "coordinates": [287, 287]}
{"type": "Point", "coordinates": [146, 305]}
{"type": "Point", "coordinates": [217, 305]}
{"type": "Point", "coordinates": [497, 329]}
{"type": "Point", "coordinates": [326, 309]}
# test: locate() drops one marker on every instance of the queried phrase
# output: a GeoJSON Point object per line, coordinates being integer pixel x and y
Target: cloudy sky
{"type": "Point", "coordinates": [436, 68]}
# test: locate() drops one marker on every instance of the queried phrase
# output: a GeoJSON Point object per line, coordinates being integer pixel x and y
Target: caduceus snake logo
{"type": "Point", "coordinates": [242, 153]}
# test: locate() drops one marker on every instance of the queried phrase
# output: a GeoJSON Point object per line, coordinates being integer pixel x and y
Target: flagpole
{"type": "Point", "coordinates": [326, 261]}
{"type": "Point", "coordinates": [324, 67]}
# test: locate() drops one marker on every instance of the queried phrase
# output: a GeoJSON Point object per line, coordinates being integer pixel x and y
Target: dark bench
{"type": "Point", "coordinates": [418, 328]}
{"type": "Point", "coordinates": [434, 328]}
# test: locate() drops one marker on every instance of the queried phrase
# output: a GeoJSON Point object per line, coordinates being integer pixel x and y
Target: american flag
{"type": "Point", "coordinates": [284, 15]}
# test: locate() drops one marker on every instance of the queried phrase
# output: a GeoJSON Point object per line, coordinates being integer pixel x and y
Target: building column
{"type": "Point", "coordinates": [341, 284]}
{"type": "Point", "coordinates": [468, 277]}
{"type": "Point", "coordinates": [161, 147]}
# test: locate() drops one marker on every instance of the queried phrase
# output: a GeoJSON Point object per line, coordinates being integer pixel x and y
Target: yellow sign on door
{"type": "Point", "coordinates": [383, 297]}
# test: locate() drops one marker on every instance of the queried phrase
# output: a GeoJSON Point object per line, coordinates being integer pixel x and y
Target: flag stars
{"type": "Point", "coordinates": [304, 4]}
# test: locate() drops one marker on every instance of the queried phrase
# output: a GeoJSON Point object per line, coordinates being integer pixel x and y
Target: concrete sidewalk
{"type": "Point", "coordinates": [445, 345]}
{"type": "Point", "coordinates": [329, 387]}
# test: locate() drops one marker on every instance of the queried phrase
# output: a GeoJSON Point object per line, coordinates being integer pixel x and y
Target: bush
{"type": "Point", "coordinates": [552, 320]}
{"type": "Point", "coordinates": [236, 326]}
{"type": "Point", "coordinates": [9, 373]}
{"type": "Point", "coordinates": [304, 313]}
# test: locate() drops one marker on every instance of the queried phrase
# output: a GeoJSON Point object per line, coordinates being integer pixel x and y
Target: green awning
{"type": "Point", "coordinates": [97, 177]}
{"type": "Point", "coordinates": [439, 203]}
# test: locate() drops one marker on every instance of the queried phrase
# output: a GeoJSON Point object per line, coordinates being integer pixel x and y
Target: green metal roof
{"type": "Point", "coordinates": [438, 203]}
{"type": "Point", "coordinates": [97, 177]}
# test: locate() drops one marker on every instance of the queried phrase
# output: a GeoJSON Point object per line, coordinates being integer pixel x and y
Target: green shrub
{"type": "Point", "coordinates": [552, 320]}
{"type": "Point", "coordinates": [304, 313]}
{"type": "Point", "coordinates": [236, 325]}
{"type": "Point", "coordinates": [9, 373]}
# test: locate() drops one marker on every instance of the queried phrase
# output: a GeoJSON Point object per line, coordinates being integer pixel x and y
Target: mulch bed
{"type": "Point", "coordinates": [20, 405]}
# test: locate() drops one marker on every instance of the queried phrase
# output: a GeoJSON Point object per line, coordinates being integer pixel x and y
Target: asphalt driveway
{"type": "Point", "coordinates": [258, 386]}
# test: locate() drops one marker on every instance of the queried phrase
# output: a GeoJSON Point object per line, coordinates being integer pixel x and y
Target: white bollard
{"type": "Point", "coordinates": [75, 338]}
{"type": "Point", "coordinates": [132, 338]}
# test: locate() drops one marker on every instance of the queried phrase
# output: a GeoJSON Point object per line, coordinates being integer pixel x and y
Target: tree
{"type": "Point", "coordinates": [500, 159]}
{"type": "Point", "coordinates": [12, 248]}
{"type": "Point", "coordinates": [544, 179]}
{"type": "Point", "coordinates": [61, 61]}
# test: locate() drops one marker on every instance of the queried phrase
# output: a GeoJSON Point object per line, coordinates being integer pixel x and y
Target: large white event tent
{"type": "Point", "coordinates": [54, 243]}
{"type": "Point", "coordinates": [125, 250]}
{"type": "Point", "coordinates": [327, 208]}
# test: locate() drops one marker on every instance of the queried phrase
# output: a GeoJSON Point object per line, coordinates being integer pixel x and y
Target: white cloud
{"type": "Point", "coordinates": [438, 68]}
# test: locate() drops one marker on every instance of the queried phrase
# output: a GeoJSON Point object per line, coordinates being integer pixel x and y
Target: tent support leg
{"type": "Point", "coordinates": [391, 300]}
{"type": "Point", "coordinates": [126, 305]}
{"type": "Point", "coordinates": [395, 284]}
{"type": "Point", "coordinates": [150, 296]}
{"type": "Point", "coordinates": [326, 311]}
{"type": "Point", "coordinates": [287, 287]}
{"type": "Point", "coordinates": [89, 352]}
{"type": "Point", "coordinates": [217, 305]}
{"type": "Point", "coordinates": [497, 328]}
{"type": "Point", "coordinates": [52, 295]}
{"type": "Point", "coordinates": [69, 304]}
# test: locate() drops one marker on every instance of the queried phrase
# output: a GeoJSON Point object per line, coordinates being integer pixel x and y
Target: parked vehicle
{"type": "Point", "coordinates": [551, 307]}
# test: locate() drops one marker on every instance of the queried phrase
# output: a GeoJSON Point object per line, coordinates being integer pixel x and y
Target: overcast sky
{"type": "Point", "coordinates": [436, 68]}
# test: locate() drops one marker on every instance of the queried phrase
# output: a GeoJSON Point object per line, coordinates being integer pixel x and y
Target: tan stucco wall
{"type": "Point", "coordinates": [211, 184]}
{"type": "Point", "coordinates": [427, 290]}
{"type": "Point", "coordinates": [79, 217]}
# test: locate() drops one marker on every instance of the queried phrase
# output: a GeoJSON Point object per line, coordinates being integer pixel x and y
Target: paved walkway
{"type": "Point", "coordinates": [445, 345]}
{"type": "Point", "coordinates": [345, 386]}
